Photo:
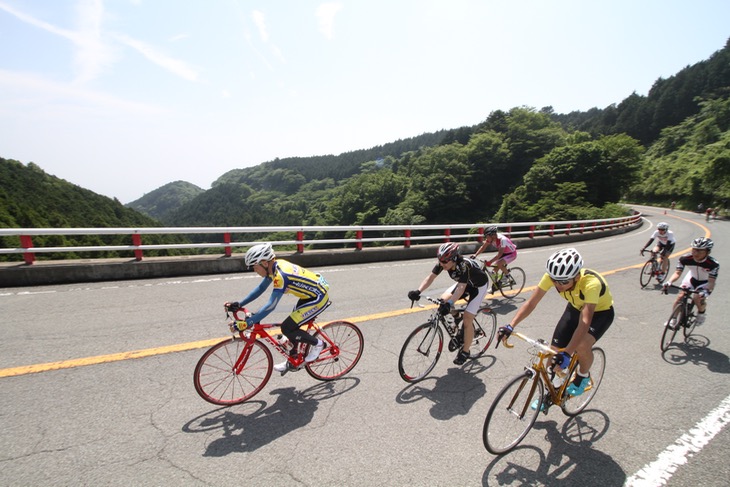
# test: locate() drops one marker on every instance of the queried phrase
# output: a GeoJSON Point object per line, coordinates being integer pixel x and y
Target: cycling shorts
{"type": "Point", "coordinates": [666, 249]}
{"type": "Point", "coordinates": [568, 323]}
{"type": "Point", "coordinates": [473, 295]}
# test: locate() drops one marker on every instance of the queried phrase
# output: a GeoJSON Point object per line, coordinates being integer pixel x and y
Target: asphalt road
{"type": "Point", "coordinates": [100, 416]}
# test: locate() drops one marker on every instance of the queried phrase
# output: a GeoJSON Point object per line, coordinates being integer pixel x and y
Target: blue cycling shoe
{"type": "Point", "coordinates": [534, 405]}
{"type": "Point", "coordinates": [577, 390]}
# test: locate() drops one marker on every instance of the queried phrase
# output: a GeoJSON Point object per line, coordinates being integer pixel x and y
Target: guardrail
{"type": "Point", "coordinates": [382, 234]}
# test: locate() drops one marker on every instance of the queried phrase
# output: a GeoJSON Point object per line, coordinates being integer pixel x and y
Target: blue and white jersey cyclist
{"type": "Point", "coordinates": [287, 278]}
{"type": "Point", "coordinates": [471, 283]}
{"type": "Point", "coordinates": [665, 244]}
{"type": "Point", "coordinates": [703, 271]}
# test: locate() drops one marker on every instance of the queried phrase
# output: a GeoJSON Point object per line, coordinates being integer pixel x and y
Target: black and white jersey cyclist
{"type": "Point", "coordinates": [702, 275]}
{"type": "Point", "coordinates": [471, 284]}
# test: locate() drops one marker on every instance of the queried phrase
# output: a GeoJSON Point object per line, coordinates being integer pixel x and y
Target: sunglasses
{"type": "Point", "coordinates": [445, 261]}
{"type": "Point", "coordinates": [562, 282]}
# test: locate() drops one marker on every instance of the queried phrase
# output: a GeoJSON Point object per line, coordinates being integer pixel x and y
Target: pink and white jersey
{"type": "Point", "coordinates": [503, 242]}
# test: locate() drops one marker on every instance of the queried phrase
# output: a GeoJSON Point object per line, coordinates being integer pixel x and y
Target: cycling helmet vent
{"type": "Point", "coordinates": [259, 253]}
{"type": "Point", "coordinates": [564, 264]}
{"type": "Point", "coordinates": [491, 230]}
{"type": "Point", "coordinates": [702, 243]}
{"type": "Point", "coordinates": [448, 251]}
{"type": "Point", "coordinates": [662, 226]}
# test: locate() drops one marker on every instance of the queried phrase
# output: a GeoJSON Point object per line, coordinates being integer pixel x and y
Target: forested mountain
{"type": "Point", "coordinates": [30, 198]}
{"type": "Point", "coordinates": [165, 199]}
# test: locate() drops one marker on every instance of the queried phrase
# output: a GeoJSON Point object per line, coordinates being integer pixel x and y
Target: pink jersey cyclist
{"type": "Point", "coordinates": [506, 249]}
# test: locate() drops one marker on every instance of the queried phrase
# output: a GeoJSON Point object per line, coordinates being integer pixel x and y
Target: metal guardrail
{"type": "Point", "coordinates": [409, 235]}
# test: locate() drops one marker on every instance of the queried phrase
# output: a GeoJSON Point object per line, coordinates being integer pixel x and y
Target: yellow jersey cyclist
{"type": "Point", "coordinates": [287, 278]}
{"type": "Point", "coordinates": [587, 316]}
{"type": "Point", "coordinates": [664, 245]}
{"type": "Point", "coordinates": [703, 271]}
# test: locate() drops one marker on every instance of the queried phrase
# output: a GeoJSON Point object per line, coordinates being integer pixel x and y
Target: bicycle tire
{"type": "Point", "coordinates": [516, 284]}
{"type": "Point", "coordinates": [216, 381]}
{"type": "Point", "coordinates": [690, 322]}
{"type": "Point", "coordinates": [575, 404]}
{"type": "Point", "coordinates": [334, 362]}
{"type": "Point", "coordinates": [669, 334]}
{"type": "Point", "coordinates": [646, 273]}
{"type": "Point", "coordinates": [511, 415]}
{"type": "Point", "coordinates": [485, 326]}
{"type": "Point", "coordinates": [420, 352]}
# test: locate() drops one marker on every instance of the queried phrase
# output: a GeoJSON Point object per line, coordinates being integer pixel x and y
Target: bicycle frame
{"type": "Point", "coordinates": [539, 371]}
{"type": "Point", "coordinates": [260, 332]}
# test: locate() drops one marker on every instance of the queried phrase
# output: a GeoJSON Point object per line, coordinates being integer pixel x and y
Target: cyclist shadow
{"type": "Point", "coordinates": [502, 306]}
{"type": "Point", "coordinates": [695, 349]}
{"type": "Point", "coordinates": [256, 423]}
{"type": "Point", "coordinates": [453, 394]}
{"type": "Point", "coordinates": [571, 460]}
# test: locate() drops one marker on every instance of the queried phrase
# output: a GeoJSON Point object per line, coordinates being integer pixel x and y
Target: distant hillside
{"type": "Point", "coordinates": [30, 198]}
{"type": "Point", "coordinates": [159, 203]}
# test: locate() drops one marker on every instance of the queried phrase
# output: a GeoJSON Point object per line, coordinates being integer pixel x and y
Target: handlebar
{"type": "Point", "coordinates": [686, 290]}
{"type": "Point", "coordinates": [535, 343]}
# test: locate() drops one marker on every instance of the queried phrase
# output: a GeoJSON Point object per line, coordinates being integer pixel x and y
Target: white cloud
{"type": "Point", "coordinates": [175, 66]}
{"type": "Point", "coordinates": [260, 21]}
{"type": "Point", "coordinates": [326, 18]}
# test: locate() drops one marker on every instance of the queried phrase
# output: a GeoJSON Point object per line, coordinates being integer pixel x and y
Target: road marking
{"type": "Point", "coordinates": [661, 470]}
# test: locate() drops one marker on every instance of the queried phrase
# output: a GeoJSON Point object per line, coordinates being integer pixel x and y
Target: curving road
{"type": "Point", "coordinates": [97, 388]}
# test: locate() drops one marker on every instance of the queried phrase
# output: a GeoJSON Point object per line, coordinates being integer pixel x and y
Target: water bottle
{"type": "Point", "coordinates": [284, 342]}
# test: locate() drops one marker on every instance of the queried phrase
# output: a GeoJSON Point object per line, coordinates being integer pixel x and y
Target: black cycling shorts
{"type": "Point", "coordinates": [569, 323]}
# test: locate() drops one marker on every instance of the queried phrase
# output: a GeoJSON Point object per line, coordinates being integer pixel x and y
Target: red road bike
{"type": "Point", "coordinates": [235, 370]}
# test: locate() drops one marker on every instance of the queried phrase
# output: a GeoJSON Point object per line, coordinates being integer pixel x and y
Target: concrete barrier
{"type": "Point", "coordinates": [95, 270]}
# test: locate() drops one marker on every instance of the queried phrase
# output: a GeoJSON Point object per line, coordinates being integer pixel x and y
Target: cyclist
{"type": "Point", "coordinates": [506, 250]}
{"type": "Point", "coordinates": [703, 271]}
{"type": "Point", "coordinates": [664, 246]}
{"type": "Point", "coordinates": [586, 318]}
{"type": "Point", "coordinates": [309, 287]}
{"type": "Point", "coordinates": [471, 282]}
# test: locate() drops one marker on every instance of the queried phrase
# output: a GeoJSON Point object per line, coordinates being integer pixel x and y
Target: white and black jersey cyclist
{"type": "Point", "coordinates": [665, 239]}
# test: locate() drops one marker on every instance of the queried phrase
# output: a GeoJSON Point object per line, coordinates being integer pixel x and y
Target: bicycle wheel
{"type": "Point", "coordinates": [420, 352]}
{"type": "Point", "coordinates": [515, 283]}
{"type": "Point", "coordinates": [646, 273]}
{"type": "Point", "coordinates": [485, 325]}
{"type": "Point", "coordinates": [217, 382]}
{"type": "Point", "coordinates": [689, 322]}
{"type": "Point", "coordinates": [575, 404]}
{"type": "Point", "coordinates": [511, 415]}
{"type": "Point", "coordinates": [337, 361]}
{"type": "Point", "coordinates": [669, 333]}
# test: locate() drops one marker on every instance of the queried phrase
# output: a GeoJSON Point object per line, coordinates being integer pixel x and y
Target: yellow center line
{"type": "Point", "coordinates": [182, 347]}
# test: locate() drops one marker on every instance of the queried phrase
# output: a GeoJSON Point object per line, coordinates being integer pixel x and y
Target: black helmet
{"type": "Point", "coordinates": [491, 230]}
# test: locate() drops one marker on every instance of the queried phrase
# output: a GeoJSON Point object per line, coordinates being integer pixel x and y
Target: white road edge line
{"type": "Point", "coordinates": [661, 470]}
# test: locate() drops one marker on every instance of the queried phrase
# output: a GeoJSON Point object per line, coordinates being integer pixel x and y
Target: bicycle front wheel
{"type": "Point", "coordinates": [217, 382]}
{"type": "Point", "coordinates": [420, 352]}
{"type": "Point", "coordinates": [676, 320]}
{"type": "Point", "coordinates": [661, 276]}
{"type": "Point", "coordinates": [485, 325]}
{"type": "Point", "coordinates": [514, 283]}
{"type": "Point", "coordinates": [336, 361]}
{"type": "Point", "coordinates": [575, 404]}
{"type": "Point", "coordinates": [512, 414]}
{"type": "Point", "coordinates": [646, 273]}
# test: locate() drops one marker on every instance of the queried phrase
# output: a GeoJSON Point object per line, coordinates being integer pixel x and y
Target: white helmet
{"type": "Point", "coordinates": [564, 264]}
{"type": "Point", "coordinates": [259, 253]}
{"type": "Point", "coordinates": [662, 226]}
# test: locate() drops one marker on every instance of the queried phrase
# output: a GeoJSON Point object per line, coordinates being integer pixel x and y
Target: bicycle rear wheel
{"type": "Point", "coordinates": [575, 404]}
{"type": "Point", "coordinates": [511, 415]}
{"type": "Point", "coordinates": [420, 352]}
{"type": "Point", "coordinates": [336, 361]}
{"type": "Point", "coordinates": [485, 325]}
{"type": "Point", "coordinates": [646, 273]}
{"type": "Point", "coordinates": [216, 381]}
{"type": "Point", "coordinates": [515, 283]}
{"type": "Point", "coordinates": [662, 276]}
{"type": "Point", "coordinates": [669, 333]}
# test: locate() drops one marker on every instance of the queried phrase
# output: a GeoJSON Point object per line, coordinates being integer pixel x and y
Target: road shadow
{"type": "Point", "coordinates": [695, 349]}
{"type": "Point", "coordinates": [453, 394]}
{"type": "Point", "coordinates": [572, 459]}
{"type": "Point", "coordinates": [249, 426]}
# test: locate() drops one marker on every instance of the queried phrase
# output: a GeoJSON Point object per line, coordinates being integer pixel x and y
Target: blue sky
{"type": "Point", "coordinates": [123, 96]}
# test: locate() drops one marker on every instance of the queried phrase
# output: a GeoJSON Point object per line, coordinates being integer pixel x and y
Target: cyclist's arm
{"type": "Point", "coordinates": [677, 274]}
{"type": "Point", "coordinates": [527, 307]}
{"type": "Point", "coordinates": [646, 246]}
{"type": "Point", "coordinates": [456, 295]}
{"type": "Point", "coordinates": [481, 248]}
{"type": "Point", "coordinates": [276, 295]}
{"type": "Point", "coordinates": [256, 292]}
{"type": "Point", "coordinates": [427, 282]}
